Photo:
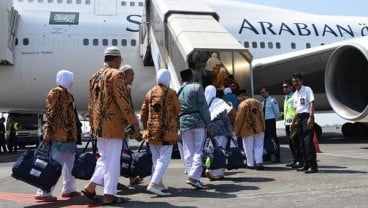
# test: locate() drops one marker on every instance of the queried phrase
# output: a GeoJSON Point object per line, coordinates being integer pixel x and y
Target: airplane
{"type": "Point", "coordinates": [44, 36]}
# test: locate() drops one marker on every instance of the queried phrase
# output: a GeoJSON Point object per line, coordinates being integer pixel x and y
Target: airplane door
{"type": "Point", "coordinates": [106, 7]}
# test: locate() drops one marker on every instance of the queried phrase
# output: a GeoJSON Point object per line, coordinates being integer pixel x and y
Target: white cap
{"type": "Point", "coordinates": [112, 51]}
{"type": "Point", "coordinates": [126, 67]}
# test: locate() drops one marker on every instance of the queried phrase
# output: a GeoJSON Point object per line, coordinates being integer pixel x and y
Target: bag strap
{"type": "Point", "coordinates": [229, 140]}
{"type": "Point", "coordinates": [141, 146]}
{"type": "Point", "coordinates": [93, 140]}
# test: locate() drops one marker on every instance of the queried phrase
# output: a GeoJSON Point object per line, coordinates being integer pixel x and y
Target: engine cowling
{"type": "Point", "coordinates": [346, 80]}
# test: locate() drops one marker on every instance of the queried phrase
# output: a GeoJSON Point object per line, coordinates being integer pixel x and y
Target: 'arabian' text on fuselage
{"type": "Point", "coordinates": [302, 29]}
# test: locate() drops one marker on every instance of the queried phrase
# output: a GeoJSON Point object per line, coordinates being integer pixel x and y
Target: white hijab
{"type": "Point", "coordinates": [163, 77]}
{"type": "Point", "coordinates": [218, 105]}
{"type": "Point", "coordinates": [65, 79]}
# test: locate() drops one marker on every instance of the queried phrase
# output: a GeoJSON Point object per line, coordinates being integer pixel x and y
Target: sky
{"type": "Point", "coordinates": [328, 7]}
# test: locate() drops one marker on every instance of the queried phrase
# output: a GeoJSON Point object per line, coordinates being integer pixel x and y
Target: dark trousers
{"type": "Point", "coordinates": [293, 145]}
{"type": "Point", "coordinates": [270, 133]}
{"type": "Point", "coordinates": [306, 141]}
{"type": "Point", "coordinates": [3, 145]}
{"type": "Point", "coordinates": [13, 144]}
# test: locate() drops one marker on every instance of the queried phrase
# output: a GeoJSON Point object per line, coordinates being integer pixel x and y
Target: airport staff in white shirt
{"type": "Point", "coordinates": [304, 117]}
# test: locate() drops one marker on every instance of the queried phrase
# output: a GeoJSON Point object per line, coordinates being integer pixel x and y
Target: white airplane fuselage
{"type": "Point", "coordinates": [43, 48]}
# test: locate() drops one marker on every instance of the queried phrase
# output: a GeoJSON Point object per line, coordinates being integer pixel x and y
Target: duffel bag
{"type": "Point", "coordinates": [213, 154]}
{"type": "Point", "coordinates": [85, 162]}
{"type": "Point", "coordinates": [141, 162]}
{"type": "Point", "coordinates": [37, 169]}
{"type": "Point", "coordinates": [234, 156]}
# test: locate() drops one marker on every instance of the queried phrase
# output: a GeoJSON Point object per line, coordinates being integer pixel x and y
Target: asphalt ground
{"type": "Point", "coordinates": [342, 181]}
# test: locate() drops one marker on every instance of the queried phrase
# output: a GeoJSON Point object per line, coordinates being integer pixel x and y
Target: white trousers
{"type": "Point", "coordinates": [161, 156]}
{"type": "Point", "coordinates": [253, 147]}
{"type": "Point", "coordinates": [193, 147]}
{"type": "Point", "coordinates": [107, 171]}
{"type": "Point", "coordinates": [66, 160]}
{"type": "Point", "coordinates": [222, 141]}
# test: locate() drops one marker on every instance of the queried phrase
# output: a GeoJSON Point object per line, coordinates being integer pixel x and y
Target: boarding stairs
{"type": "Point", "coordinates": [173, 31]}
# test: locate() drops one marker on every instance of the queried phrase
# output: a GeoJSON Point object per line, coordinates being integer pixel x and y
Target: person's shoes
{"type": "Point", "coordinates": [292, 164]}
{"type": "Point", "coordinates": [195, 183]}
{"type": "Point", "coordinates": [90, 195]}
{"type": "Point", "coordinates": [162, 187]}
{"type": "Point", "coordinates": [303, 168]}
{"type": "Point", "coordinates": [251, 167]}
{"type": "Point", "coordinates": [155, 189]}
{"type": "Point", "coordinates": [298, 165]}
{"type": "Point", "coordinates": [312, 170]}
{"type": "Point", "coordinates": [121, 187]}
{"type": "Point", "coordinates": [259, 167]}
{"type": "Point", "coordinates": [71, 194]}
{"type": "Point", "coordinates": [46, 198]}
{"type": "Point", "coordinates": [111, 200]}
{"type": "Point", "coordinates": [135, 181]}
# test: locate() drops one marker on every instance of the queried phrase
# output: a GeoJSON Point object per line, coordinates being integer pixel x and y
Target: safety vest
{"type": "Point", "coordinates": [289, 109]}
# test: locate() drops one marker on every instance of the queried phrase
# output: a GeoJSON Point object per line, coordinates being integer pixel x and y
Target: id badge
{"type": "Point", "coordinates": [302, 101]}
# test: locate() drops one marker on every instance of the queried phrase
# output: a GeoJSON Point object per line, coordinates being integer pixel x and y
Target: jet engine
{"type": "Point", "coordinates": [346, 80]}
{"type": "Point", "coordinates": [346, 85]}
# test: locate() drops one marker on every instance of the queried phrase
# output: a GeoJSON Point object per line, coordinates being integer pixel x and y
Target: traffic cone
{"type": "Point", "coordinates": [315, 142]}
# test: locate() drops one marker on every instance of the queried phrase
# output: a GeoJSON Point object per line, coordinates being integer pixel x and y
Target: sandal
{"type": "Point", "coordinates": [45, 198]}
{"type": "Point", "coordinates": [92, 196]}
{"type": "Point", "coordinates": [114, 200]}
{"type": "Point", "coordinates": [136, 181]}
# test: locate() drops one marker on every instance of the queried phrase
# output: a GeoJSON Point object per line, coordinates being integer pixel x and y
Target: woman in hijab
{"type": "Point", "coordinates": [220, 125]}
{"type": "Point", "coordinates": [60, 132]}
{"type": "Point", "coordinates": [159, 114]}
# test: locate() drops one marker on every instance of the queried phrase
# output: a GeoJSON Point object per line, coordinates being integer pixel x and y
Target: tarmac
{"type": "Point", "coordinates": [342, 181]}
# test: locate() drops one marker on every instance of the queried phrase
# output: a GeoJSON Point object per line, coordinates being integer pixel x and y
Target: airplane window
{"type": "Point", "coordinates": [30, 0]}
{"type": "Point", "coordinates": [69, 1]}
{"type": "Point", "coordinates": [40, 1]}
{"type": "Point", "coordinates": [123, 42]}
{"type": "Point", "coordinates": [95, 42]}
{"type": "Point", "coordinates": [88, 1]}
{"type": "Point", "coordinates": [132, 3]}
{"type": "Point", "coordinates": [270, 45]}
{"type": "Point", "coordinates": [85, 42]}
{"type": "Point", "coordinates": [246, 44]}
{"type": "Point", "coordinates": [105, 42]}
{"type": "Point", "coordinates": [140, 4]}
{"type": "Point", "coordinates": [133, 42]}
{"type": "Point", "coordinates": [278, 45]}
{"type": "Point", "coordinates": [79, 1]}
{"type": "Point", "coordinates": [293, 45]}
{"type": "Point", "coordinates": [254, 44]}
{"type": "Point", "coordinates": [16, 41]}
{"type": "Point", "coordinates": [50, 1]}
{"type": "Point", "coordinates": [114, 42]}
{"type": "Point", "coordinates": [262, 44]}
{"type": "Point", "coordinates": [123, 3]}
{"type": "Point", "coordinates": [25, 41]}
{"type": "Point", "coordinates": [60, 1]}
{"type": "Point", "coordinates": [308, 45]}
{"type": "Point", "coordinates": [20, 0]}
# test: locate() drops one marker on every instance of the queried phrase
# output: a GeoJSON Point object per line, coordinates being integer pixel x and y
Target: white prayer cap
{"type": "Point", "coordinates": [209, 93]}
{"type": "Point", "coordinates": [126, 68]}
{"type": "Point", "coordinates": [163, 77]}
{"type": "Point", "coordinates": [112, 51]}
{"type": "Point", "coordinates": [227, 90]}
{"type": "Point", "coordinates": [65, 78]}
